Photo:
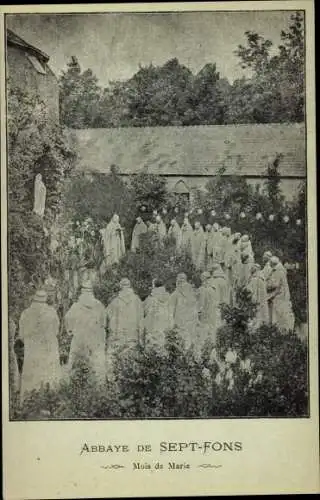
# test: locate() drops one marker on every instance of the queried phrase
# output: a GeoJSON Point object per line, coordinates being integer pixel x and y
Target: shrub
{"type": "Point", "coordinates": [172, 383]}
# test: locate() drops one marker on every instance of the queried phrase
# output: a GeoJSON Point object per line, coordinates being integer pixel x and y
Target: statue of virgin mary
{"type": "Point", "coordinates": [39, 196]}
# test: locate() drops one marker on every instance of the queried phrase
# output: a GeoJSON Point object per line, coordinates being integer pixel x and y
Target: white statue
{"type": "Point", "coordinates": [39, 196]}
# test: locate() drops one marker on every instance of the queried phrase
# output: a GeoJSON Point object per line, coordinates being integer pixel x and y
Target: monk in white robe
{"type": "Point", "coordinates": [216, 240]}
{"type": "Point", "coordinates": [266, 261]}
{"type": "Point", "coordinates": [185, 309]}
{"type": "Point", "coordinates": [139, 229]}
{"type": "Point", "coordinates": [208, 307]}
{"type": "Point", "coordinates": [186, 236]}
{"type": "Point", "coordinates": [210, 244]}
{"type": "Point", "coordinates": [39, 196]}
{"type": "Point", "coordinates": [279, 297]}
{"type": "Point", "coordinates": [151, 227]}
{"type": "Point", "coordinates": [175, 234]}
{"type": "Point", "coordinates": [198, 246]}
{"type": "Point", "coordinates": [86, 323]}
{"type": "Point", "coordinates": [124, 323]}
{"type": "Point", "coordinates": [160, 229]}
{"type": "Point", "coordinates": [257, 288]}
{"type": "Point", "coordinates": [113, 241]}
{"type": "Point", "coordinates": [158, 316]}
{"type": "Point", "coordinates": [232, 263]}
{"type": "Point", "coordinates": [246, 247]}
{"type": "Point", "coordinates": [244, 269]}
{"type": "Point", "coordinates": [219, 282]}
{"type": "Point", "coordinates": [38, 329]}
{"type": "Point", "coordinates": [225, 242]}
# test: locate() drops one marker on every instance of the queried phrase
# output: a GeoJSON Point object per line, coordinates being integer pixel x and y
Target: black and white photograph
{"type": "Point", "coordinates": [157, 215]}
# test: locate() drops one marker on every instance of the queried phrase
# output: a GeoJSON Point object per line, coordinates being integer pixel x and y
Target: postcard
{"type": "Point", "coordinates": [159, 250]}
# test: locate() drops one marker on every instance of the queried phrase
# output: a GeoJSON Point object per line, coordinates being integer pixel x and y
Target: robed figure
{"type": "Point", "coordinates": [185, 309]}
{"type": "Point", "coordinates": [224, 244]}
{"type": "Point", "coordinates": [161, 230]}
{"type": "Point", "coordinates": [186, 236]}
{"type": "Point", "coordinates": [219, 282]}
{"type": "Point", "coordinates": [86, 323]}
{"type": "Point", "coordinates": [266, 261]}
{"type": "Point", "coordinates": [208, 308]}
{"type": "Point", "coordinates": [215, 245]}
{"type": "Point", "coordinates": [39, 196]}
{"type": "Point", "coordinates": [246, 247]}
{"type": "Point", "coordinates": [39, 329]}
{"type": "Point", "coordinates": [244, 270]}
{"type": "Point", "coordinates": [124, 323]}
{"type": "Point", "coordinates": [279, 296]}
{"type": "Point", "coordinates": [139, 229]}
{"type": "Point", "coordinates": [158, 315]}
{"type": "Point", "coordinates": [198, 246]}
{"type": "Point", "coordinates": [174, 233]}
{"type": "Point", "coordinates": [113, 241]}
{"type": "Point", "coordinates": [257, 288]}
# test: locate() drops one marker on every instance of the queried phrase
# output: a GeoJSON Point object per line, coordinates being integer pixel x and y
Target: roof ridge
{"type": "Point", "coordinates": [15, 39]}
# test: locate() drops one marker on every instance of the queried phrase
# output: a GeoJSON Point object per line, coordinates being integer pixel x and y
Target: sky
{"type": "Point", "coordinates": [113, 45]}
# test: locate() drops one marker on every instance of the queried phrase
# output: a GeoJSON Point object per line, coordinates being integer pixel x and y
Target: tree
{"type": "Point", "coordinates": [275, 91]}
{"type": "Point", "coordinates": [35, 145]}
{"type": "Point", "coordinates": [273, 184]}
{"type": "Point", "coordinates": [209, 96]}
{"type": "Point", "coordinates": [79, 96]}
{"type": "Point", "coordinates": [149, 191]}
{"type": "Point", "coordinates": [99, 197]}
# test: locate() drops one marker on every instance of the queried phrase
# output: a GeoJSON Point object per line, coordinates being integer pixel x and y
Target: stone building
{"type": "Point", "coordinates": [27, 68]}
{"type": "Point", "coordinates": [188, 157]}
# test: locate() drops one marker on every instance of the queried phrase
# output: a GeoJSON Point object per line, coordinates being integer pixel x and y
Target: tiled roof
{"type": "Point", "coordinates": [14, 39]}
{"type": "Point", "coordinates": [196, 150]}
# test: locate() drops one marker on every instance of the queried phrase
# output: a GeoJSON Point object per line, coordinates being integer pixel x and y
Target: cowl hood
{"type": "Point", "coordinates": [126, 295]}
{"type": "Point", "coordinates": [160, 294]}
{"type": "Point", "coordinates": [87, 300]}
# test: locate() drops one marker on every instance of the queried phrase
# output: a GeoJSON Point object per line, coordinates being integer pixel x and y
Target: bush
{"type": "Point", "coordinates": [174, 384]}
{"type": "Point", "coordinates": [149, 262]}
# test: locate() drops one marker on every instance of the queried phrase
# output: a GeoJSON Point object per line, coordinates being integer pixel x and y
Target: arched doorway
{"type": "Point", "coordinates": [182, 194]}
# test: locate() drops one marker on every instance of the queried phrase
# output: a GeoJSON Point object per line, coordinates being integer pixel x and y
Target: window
{"type": "Point", "coordinates": [37, 64]}
{"type": "Point", "coordinates": [181, 188]}
{"type": "Point", "coordinates": [182, 193]}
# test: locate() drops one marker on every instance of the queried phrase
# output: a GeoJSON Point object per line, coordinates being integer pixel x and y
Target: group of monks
{"type": "Point", "coordinates": [98, 332]}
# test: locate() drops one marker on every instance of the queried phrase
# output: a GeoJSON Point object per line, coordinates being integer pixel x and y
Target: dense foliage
{"type": "Point", "coordinates": [35, 145]}
{"type": "Point", "coordinates": [172, 95]}
{"type": "Point", "coordinates": [268, 371]}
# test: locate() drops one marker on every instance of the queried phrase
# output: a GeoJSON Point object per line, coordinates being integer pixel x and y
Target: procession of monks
{"type": "Point", "coordinates": [99, 333]}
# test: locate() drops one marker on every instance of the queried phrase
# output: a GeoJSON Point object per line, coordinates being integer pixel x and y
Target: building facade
{"type": "Point", "coordinates": [188, 157]}
{"type": "Point", "coordinates": [27, 68]}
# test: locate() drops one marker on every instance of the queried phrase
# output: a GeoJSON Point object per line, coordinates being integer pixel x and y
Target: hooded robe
{"type": "Point", "coordinates": [279, 296]}
{"type": "Point", "coordinates": [158, 316]}
{"type": "Point", "coordinates": [139, 228]}
{"type": "Point", "coordinates": [38, 329]}
{"type": "Point", "coordinates": [125, 325]}
{"type": "Point", "coordinates": [161, 231]}
{"type": "Point", "coordinates": [209, 312]}
{"type": "Point", "coordinates": [185, 311]}
{"type": "Point", "coordinates": [266, 270]}
{"type": "Point", "coordinates": [113, 241]}
{"type": "Point", "coordinates": [86, 322]}
{"type": "Point", "coordinates": [175, 233]}
{"type": "Point", "coordinates": [219, 282]}
{"type": "Point", "coordinates": [198, 247]}
{"type": "Point", "coordinates": [40, 191]}
{"type": "Point", "coordinates": [186, 237]}
{"type": "Point", "coordinates": [257, 287]}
